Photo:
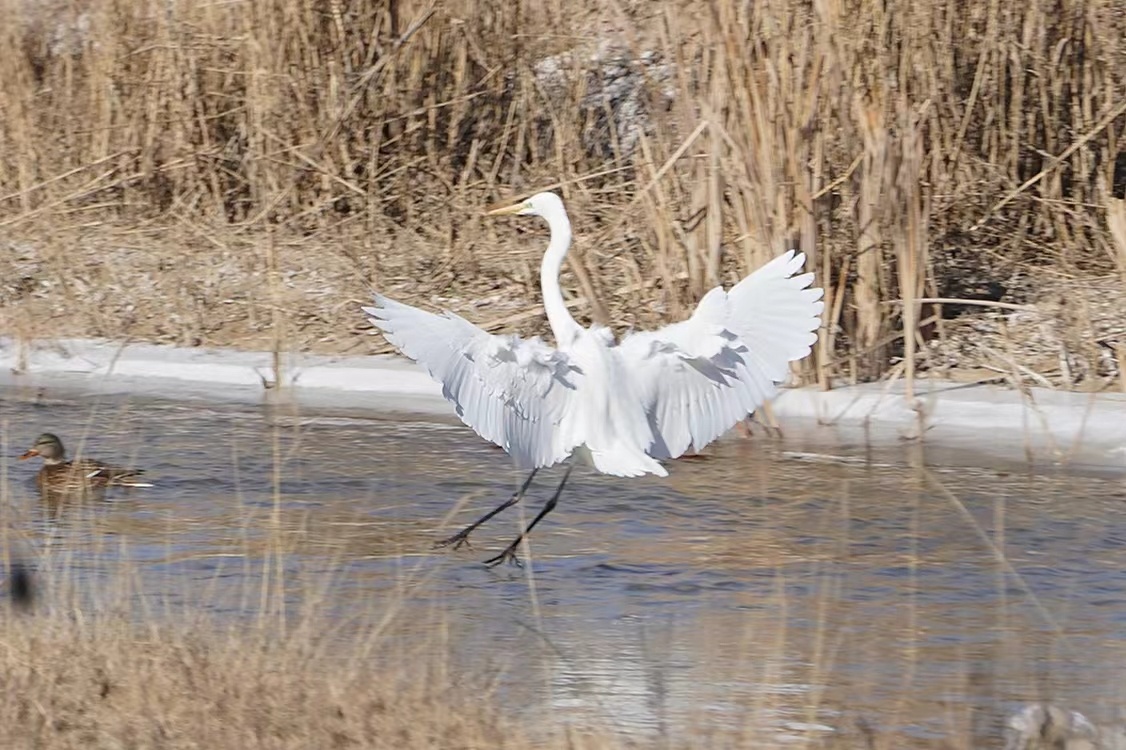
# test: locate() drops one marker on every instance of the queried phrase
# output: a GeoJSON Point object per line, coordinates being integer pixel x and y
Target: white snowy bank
{"type": "Point", "coordinates": [1053, 426]}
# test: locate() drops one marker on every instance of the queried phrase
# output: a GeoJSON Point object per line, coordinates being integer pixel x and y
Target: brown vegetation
{"type": "Point", "coordinates": [110, 684]}
{"type": "Point", "coordinates": [240, 173]}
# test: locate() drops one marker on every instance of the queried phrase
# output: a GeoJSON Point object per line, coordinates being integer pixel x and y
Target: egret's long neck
{"type": "Point", "coordinates": [562, 324]}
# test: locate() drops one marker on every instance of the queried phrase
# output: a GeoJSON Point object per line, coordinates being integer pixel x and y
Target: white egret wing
{"type": "Point", "coordinates": [699, 377]}
{"type": "Point", "coordinates": [511, 391]}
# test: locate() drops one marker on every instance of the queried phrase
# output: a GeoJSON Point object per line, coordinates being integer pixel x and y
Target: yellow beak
{"type": "Point", "coordinates": [505, 210]}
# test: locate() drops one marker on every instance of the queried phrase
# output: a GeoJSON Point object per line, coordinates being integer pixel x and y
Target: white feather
{"type": "Point", "coordinates": [701, 376]}
{"type": "Point", "coordinates": [512, 392]}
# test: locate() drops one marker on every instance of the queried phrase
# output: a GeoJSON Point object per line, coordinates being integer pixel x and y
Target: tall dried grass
{"type": "Point", "coordinates": [105, 682]}
{"type": "Point", "coordinates": [913, 150]}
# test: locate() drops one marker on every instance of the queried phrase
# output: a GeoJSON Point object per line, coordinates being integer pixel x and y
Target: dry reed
{"type": "Point", "coordinates": [912, 150]}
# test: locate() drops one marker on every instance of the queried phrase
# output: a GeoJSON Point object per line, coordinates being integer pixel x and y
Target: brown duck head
{"type": "Point", "coordinates": [48, 447]}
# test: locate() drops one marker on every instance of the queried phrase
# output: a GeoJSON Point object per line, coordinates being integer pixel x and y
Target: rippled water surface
{"type": "Point", "coordinates": [809, 587]}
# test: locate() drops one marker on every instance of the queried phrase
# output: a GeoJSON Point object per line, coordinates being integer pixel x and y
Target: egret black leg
{"type": "Point", "coordinates": [462, 537]}
{"type": "Point", "coordinates": [509, 553]}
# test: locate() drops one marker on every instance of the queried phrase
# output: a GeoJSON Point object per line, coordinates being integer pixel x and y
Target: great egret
{"type": "Point", "coordinates": [624, 405]}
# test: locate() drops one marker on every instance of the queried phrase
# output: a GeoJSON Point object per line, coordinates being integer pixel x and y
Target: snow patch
{"type": "Point", "coordinates": [1056, 425]}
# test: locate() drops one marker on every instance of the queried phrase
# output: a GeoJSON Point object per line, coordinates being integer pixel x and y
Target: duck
{"type": "Point", "coordinates": [58, 475]}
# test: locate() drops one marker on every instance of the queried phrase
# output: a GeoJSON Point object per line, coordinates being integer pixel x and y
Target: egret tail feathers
{"type": "Point", "coordinates": [622, 461]}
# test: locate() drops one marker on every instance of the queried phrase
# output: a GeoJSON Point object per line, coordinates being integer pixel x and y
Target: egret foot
{"type": "Point", "coordinates": [509, 556]}
{"type": "Point", "coordinates": [457, 541]}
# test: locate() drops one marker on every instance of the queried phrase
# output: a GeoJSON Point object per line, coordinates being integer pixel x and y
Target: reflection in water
{"type": "Point", "coordinates": [767, 584]}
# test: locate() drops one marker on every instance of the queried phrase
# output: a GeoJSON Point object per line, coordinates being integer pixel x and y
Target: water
{"type": "Point", "coordinates": [787, 583]}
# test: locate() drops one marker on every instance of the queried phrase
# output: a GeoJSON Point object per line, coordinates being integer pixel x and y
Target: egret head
{"type": "Point", "coordinates": [540, 204]}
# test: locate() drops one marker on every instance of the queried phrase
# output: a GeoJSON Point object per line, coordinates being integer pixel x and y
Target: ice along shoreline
{"type": "Point", "coordinates": [1049, 425]}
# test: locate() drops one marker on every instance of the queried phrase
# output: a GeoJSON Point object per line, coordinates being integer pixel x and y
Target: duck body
{"type": "Point", "coordinates": [84, 475]}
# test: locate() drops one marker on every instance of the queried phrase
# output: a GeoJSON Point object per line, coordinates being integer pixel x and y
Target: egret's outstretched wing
{"type": "Point", "coordinates": [511, 391]}
{"type": "Point", "coordinates": [701, 376]}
